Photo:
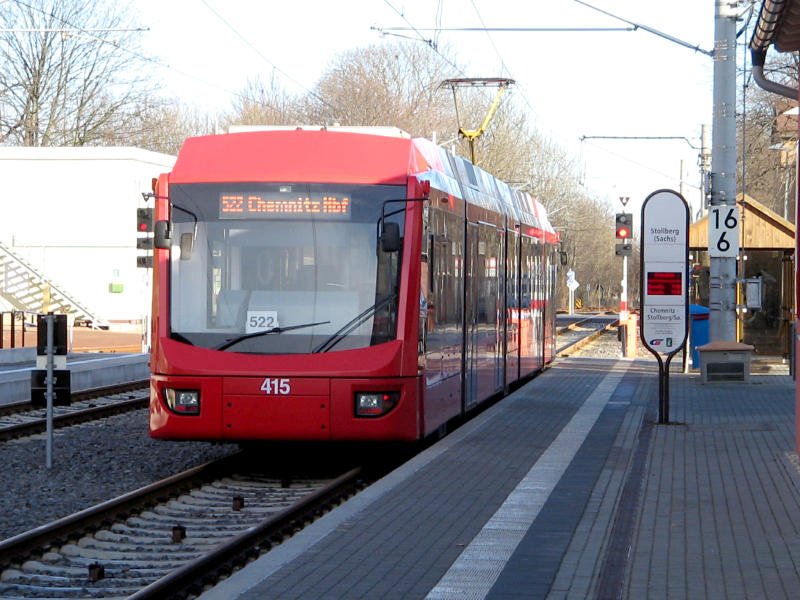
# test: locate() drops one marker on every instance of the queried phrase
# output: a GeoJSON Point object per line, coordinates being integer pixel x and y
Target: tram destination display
{"type": "Point", "coordinates": [262, 206]}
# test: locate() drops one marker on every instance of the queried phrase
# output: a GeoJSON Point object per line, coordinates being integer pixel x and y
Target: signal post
{"type": "Point", "coordinates": [623, 231]}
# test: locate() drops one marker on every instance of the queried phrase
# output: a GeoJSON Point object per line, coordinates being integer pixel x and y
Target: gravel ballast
{"type": "Point", "coordinates": [91, 463]}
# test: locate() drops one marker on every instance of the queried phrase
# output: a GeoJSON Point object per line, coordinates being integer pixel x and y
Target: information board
{"type": "Point", "coordinates": [664, 272]}
{"type": "Point", "coordinates": [665, 253]}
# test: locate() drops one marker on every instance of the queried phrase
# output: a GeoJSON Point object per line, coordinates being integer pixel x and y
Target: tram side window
{"type": "Point", "coordinates": [445, 306]}
{"type": "Point", "coordinates": [489, 270]}
{"type": "Point", "coordinates": [528, 281]}
{"type": "Point", "coordinates": [189, 304]}
{"type": "Point", "coordinates": [512, 278]}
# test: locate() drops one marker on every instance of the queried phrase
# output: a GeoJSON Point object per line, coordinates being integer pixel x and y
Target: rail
{"type": "Point", "coordinates": [597, 325]}
{"type": "Point", "coordinates": [264, 519]}
{"type": "Point", "coordinates": [19, 546]}
{"type": "Point", "coordinates": [236, 550]}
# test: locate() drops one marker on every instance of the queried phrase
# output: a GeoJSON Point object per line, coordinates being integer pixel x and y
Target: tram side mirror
{"type": "Point", "coordinates": [161, 235]}
{"type": "Point", "coordinates": [390, 238]}
{"type": "Point", "coordinates": [187, 245]}
{"type": "Point", "coordinates": [563, 256]}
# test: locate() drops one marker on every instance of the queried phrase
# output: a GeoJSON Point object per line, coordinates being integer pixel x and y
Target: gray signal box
{"type": "Point", "coordinates": [623, 249]}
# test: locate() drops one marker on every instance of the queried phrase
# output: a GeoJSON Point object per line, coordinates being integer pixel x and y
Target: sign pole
{"type": "Point", "coordinates": [663, 286]}
{"type": "Point", "coordinates": [572, 285]}
{"type": "Point", "coordinates": [49, 319]}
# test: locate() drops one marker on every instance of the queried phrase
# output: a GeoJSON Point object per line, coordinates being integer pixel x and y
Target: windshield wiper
{"type": "Point", "coordinates": [182, 338]}
{"type": "Point", "coordinates": [248, 336]}
{"type": "Point", "coordinates": [353, 324]}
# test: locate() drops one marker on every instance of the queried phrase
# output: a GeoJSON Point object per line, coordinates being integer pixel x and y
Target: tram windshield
{"type": "Point", "coordinates": [282, 268]}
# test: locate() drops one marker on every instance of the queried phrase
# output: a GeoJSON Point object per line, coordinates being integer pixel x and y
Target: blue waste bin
{"type": "Point", "coordinates": [698, 331]}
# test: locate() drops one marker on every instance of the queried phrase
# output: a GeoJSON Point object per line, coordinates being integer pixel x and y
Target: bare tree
{"type": "Point", "coordinates": [766, 136]}
{"type": "Point", "coordinates": [392, 84]}
{"type": "Point", "coordinates": [68, 69]}
{"type": "Point", "coordinates": [264, 103]}
{"type": "Point", "coordinates": [589, 242]}
{"type": "Point", "coordinates": [157, 124]}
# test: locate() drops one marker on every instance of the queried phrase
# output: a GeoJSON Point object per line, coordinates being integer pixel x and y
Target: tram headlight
{"type": "Point", "coordinates": [185, 402]}
{"type": "Point", "coordinates": [375, 404]}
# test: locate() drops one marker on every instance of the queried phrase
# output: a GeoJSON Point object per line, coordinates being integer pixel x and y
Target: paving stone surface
{"type": "Point", "coordinates": [706, 506]}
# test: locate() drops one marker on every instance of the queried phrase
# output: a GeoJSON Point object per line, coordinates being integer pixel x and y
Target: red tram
{"type": "Point", "coordinates": [340, 285]}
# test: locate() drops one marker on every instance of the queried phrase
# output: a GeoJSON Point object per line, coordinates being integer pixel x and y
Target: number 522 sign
{"type": "Point", "coordinates": [723, 231]}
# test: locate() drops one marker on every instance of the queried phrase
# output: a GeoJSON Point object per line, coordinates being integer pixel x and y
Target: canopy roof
{"type": "Point", "coordinates": [778, 24]}
{"type": "Point", "coordinates": [761, 228]}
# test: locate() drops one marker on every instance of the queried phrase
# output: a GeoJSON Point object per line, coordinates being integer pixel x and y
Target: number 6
{"type": "Point", "coordinates": [723, 245]}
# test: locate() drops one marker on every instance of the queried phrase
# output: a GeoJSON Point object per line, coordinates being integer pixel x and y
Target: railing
{"type": "Point", "coordinates": [12, 320]}
{"type": "Point", "coordinates": [26, 285]}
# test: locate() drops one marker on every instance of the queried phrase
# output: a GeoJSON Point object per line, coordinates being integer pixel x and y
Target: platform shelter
{"type": "Point", "coordinates": [767, 251]}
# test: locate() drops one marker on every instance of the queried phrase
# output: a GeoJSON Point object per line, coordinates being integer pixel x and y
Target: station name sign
{"type": "Point", "coordinates": [665, 253]}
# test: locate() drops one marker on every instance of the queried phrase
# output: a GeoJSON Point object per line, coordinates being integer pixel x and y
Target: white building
{"type": "Point", "coordinates": [69, 214]}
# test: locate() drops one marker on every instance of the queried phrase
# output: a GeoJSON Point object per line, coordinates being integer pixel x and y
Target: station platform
{"type": "Point", "coordinates": [97, 358]}
{"type": "Point", "coordinates": [87, 371]}
{"type": "Point", "coordinates": [569, 488]}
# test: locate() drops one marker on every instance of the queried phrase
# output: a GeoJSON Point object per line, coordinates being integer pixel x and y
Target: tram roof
{"type": "Point", "coordinates": [352, 155]}
{"type": "Point", "coordinates": [458, 176]}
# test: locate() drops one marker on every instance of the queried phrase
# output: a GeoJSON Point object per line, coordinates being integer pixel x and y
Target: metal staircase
{"type": "Point", "coordinates": [26, 289]}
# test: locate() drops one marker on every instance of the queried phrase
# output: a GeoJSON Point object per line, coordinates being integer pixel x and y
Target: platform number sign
{"type": "Point", "coordinates": [723, 231]}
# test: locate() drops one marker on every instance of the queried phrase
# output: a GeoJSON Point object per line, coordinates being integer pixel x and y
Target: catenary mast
{"type": "Point", "coordinates": [722, 293]}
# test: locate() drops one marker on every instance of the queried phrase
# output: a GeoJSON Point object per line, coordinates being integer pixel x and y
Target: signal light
{"type": "Point", "coordinates": [623, 228]}
{"type": "Point", "coordinates": [144, 220]}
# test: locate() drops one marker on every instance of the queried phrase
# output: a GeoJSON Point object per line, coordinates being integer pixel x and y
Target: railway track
{"type": "Point", "coordinates": [581, 333]}
{"type": "Point", "coordinates": [168, 539]}
{"type": "Point", "coordinates": [22, 419]}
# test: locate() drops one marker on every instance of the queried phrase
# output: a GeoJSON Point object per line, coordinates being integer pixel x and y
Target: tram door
{"type": "Point", "coordinates": [549, 316]}
{"type": "Point", "coordinates": [512, 308]}
{"type": "Point", "coordinates": [471, 284]}
{"type": "Point", "coordinates": [483, 363]}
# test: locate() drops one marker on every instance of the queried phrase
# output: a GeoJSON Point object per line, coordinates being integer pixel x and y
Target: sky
{"type": "Point", "coordinates": [576, 86]}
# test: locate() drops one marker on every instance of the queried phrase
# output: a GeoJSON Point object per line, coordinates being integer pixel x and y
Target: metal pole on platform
{"type": "Point", "coordinates": [722, 288]}
{"type": "Point", "coordinates": [50, 320]}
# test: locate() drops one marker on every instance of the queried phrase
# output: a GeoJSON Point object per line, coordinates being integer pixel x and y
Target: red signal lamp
{"type": "Point", "coordinates": [623, 224]}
